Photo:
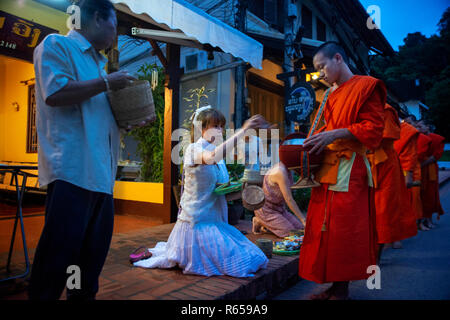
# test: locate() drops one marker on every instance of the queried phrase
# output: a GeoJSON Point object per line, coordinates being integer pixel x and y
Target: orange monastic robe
{"type": "Point", "coordinates": [396, 219]}
{"type": "Point", "coordinates": [431, 202]}
{"type": "Point", "coordinates": [340, 235]}
{"type": "Point", "coordinates": [423, 152]}
{"type": "Point", "coordinates": [406, 148]}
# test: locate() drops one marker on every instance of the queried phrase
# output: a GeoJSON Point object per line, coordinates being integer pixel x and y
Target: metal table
{"type": "Point", "coordinates": [17, 170]}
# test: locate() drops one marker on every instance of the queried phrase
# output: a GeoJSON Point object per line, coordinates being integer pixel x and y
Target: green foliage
{"type": "Point", "coordinates": [195, 98]}
{"type": "Point", "coordinates": [150, 138]}
{"type": "Point", "coordinates": [426, 59]}
{"type": "Point", "coordinates": [236, 171]}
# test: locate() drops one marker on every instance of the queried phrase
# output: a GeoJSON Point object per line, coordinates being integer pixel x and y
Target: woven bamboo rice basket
{"type": "Point", "coordinates": [253, 197]}
{"type": "Point", "coordinates": [132, 104]}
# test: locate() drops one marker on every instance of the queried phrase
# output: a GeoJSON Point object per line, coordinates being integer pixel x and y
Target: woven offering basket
{"type": "Point", "coordinates": [253, 197]}
{"type": "Point", "coordinates": [266, 246]}
{"type": "Point", "coordinates": [132, 104]}
{"type": "Point", "coordinates": [252, 177]}
{"type": "Point", "coordinates": [297, 232]}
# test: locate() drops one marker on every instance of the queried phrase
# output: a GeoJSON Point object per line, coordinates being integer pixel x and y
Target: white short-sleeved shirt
{"type": "Point", "coordinates": [77, 143]}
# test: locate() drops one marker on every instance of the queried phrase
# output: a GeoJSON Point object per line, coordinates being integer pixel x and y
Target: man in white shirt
{"type": "Point", "coordinates": [78, 152]}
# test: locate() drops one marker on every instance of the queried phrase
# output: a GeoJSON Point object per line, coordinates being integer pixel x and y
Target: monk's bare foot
{"type": "Point", "coordinates": [422, 227]}
{"type": "Point", "coordinates": [325, 295]}
{"type": "Point", "coordinates": [387, 246]}
{"type": "Point", "coordinates": [397, 245]}
{"type": "Point", "coordinates": [339, 297]}
{"type": "Point", "coordinates": [429, 224]}
{"type": "Point", "coordinates": [340, 291]}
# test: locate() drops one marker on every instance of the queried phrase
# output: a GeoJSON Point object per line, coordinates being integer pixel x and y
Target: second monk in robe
{"type": "Point", "coordinates": [430, 178]}
{"type": "Point", "coordinates": [395, 217]}
{"type": "Point", "coordinates": [406, 148]}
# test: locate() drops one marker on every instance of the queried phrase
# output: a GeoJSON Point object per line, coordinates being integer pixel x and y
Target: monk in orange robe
{"type": "Point", "coordinates": [395, 218]}
{"type": "Point", "coordinates": [340, 236]}
{"type": "Point", "coordinates": [430, 180]}
{"type": "Point", "coordinates": [423, 152]}
{"type": "Point", "coordinates": [406, 148]}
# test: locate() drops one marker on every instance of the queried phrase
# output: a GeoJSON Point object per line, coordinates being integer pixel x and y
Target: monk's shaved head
{"type": "Point", "coordinates": [329, 50]}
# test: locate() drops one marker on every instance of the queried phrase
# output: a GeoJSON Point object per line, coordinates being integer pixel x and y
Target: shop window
{"type": "Point", "coordinates": [270, 12]}
{"type": "Point", "coordinates": [32, 142]}
{"type": "Point", "coordinates": [307, 22]}
{"type": "Point", "coordinates": [321, 30]}
{"type": "Point", "coordinates": [191, 63]}
{"type": "Point", "coordinates": [257, 8]}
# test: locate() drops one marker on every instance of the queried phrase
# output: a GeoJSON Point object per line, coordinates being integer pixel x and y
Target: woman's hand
{"type": "Point", "coordinates": [256, 122]}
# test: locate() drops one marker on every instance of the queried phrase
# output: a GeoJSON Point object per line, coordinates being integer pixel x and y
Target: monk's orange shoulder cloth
{"type": "Point", "coordinates": [357, 105]}
{"type": "Point", "coordinates": [424, 150]}
{"type": "Point", "coordinates": [406, 146]}
{"type": "Point", "coordinates": [436, 150]}
{"type": "Point", "coordinates": [391, 133]}
{"type": "Point", "coordinates": [437, 145]}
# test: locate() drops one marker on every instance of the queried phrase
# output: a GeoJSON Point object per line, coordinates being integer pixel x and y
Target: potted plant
{"type": "Point", "coordinates": [150, 138]}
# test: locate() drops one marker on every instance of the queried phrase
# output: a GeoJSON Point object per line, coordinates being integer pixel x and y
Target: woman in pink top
{"type": "Point", "coordinates": [274, 215]}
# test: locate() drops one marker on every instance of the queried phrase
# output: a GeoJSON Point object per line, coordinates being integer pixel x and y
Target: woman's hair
{"type": "Point", "coordinates": [209, 117]}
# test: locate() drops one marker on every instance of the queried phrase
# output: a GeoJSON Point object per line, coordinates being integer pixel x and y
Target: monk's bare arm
{"type": "Point", "coordinates": [431, 159]}
{"type": "Point", "coordinates": [319, 141]}
{"type": "Point", "coordinates": [368, 128]}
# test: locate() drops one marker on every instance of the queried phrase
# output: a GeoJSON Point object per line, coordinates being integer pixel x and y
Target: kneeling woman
{"type": "Point", "coordinates": [274, 215]}
{"type": "Point", "coordinates": [202, 242]}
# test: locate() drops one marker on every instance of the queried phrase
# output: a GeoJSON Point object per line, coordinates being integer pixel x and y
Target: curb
{"type": "Point", "coordinates": [441, 183]}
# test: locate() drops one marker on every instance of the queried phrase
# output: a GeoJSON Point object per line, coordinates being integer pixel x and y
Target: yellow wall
{"type": "Point", "coordinates": [139, 191]}
{"type": "Point", "coordinates": [36, 12]}
{"type": "Point", "coordinates": [13, 124]}
{"type": "Point", "coordinates": [269, 71]}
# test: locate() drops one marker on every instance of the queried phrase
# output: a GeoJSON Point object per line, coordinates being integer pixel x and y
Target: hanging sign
{"type": "Point", "coordinates": [19, 37]}
{"type": "Point", "coordinates": [300, 102]}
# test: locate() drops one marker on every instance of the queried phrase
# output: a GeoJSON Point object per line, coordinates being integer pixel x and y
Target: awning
{"type": "Point", "coordinates": [194, 27]}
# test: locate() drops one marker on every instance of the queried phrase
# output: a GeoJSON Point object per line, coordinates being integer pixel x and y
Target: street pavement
{"type": "Point", "coordinates": [419, 271]}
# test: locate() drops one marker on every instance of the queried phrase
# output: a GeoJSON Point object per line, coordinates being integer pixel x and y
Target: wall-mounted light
{"type": "Point", "coordinates": [16, 106]}
{"type": "Point", "coordinates": [312, 76]}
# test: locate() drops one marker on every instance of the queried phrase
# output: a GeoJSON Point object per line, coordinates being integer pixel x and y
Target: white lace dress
{"type": "Point", "coordinates": [202, 242]}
